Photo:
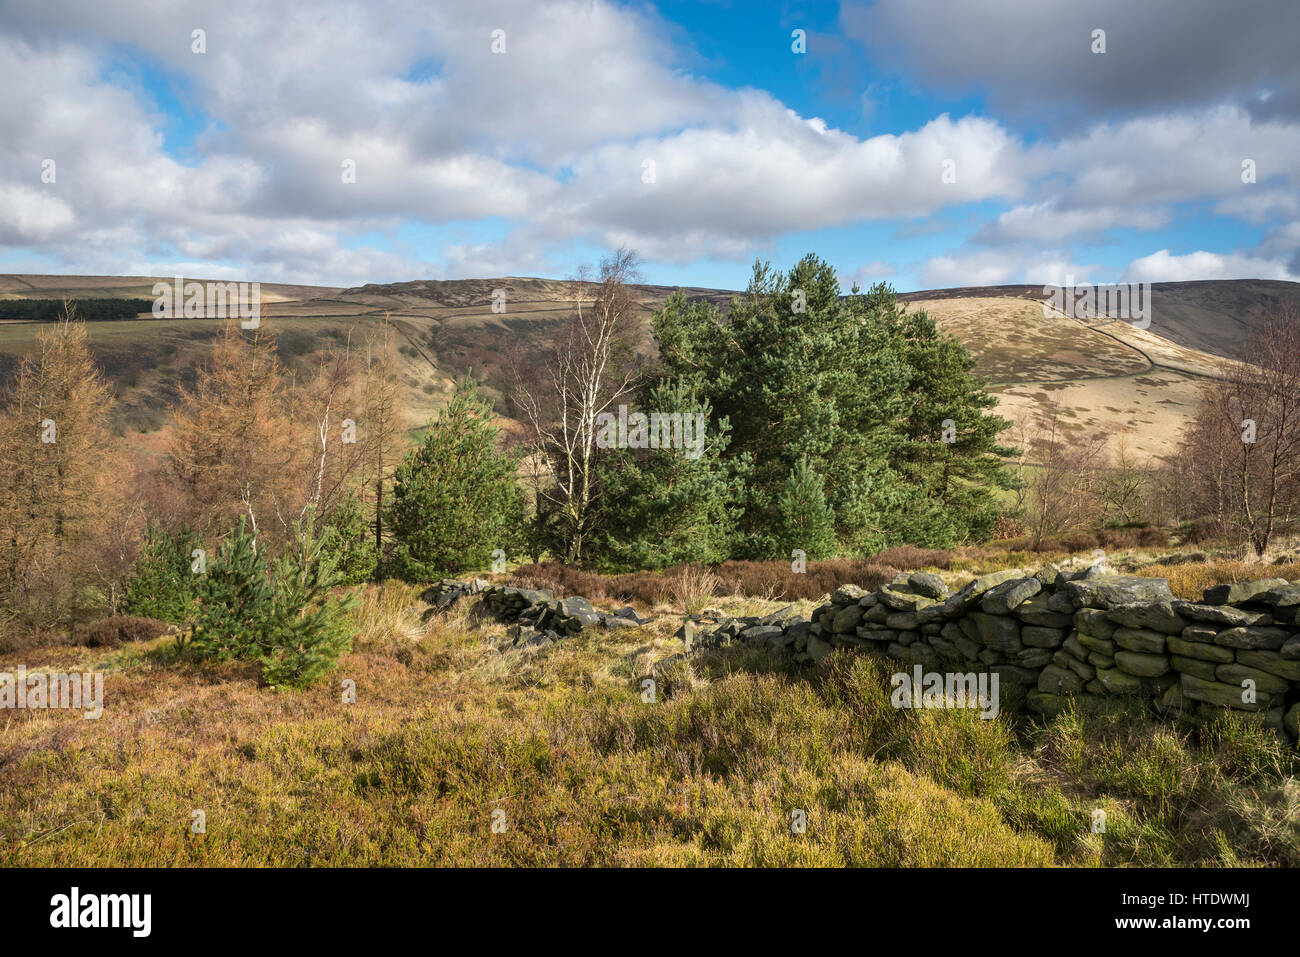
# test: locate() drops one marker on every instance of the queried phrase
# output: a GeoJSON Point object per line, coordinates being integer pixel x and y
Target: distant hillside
{"type": "Point", "coordinates": [1210, 315]}
{"type": "Point", "coordinates": [16, 286]}
{"type": "Point", "coordinates": [1106, 376]}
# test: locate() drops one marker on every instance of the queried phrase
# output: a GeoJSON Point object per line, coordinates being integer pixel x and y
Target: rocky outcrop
{"type": "Point", "coordinates": [779, 629]}
{"type": "Point", "coordinates": [447, 592]}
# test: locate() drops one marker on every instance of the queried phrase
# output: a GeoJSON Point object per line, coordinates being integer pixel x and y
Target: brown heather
{"type": "Point", "coordinates": [451, 724]}
{"type": "Point", "coordinates": [774, 580]}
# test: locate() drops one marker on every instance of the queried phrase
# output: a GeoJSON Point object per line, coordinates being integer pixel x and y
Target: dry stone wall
{"type": "Point", "coordinates": [1085, 635]}
{"type": "Point", "coordinates": [536, 616]}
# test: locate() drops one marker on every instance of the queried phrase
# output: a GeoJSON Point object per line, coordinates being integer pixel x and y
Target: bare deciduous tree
{"type": "Point", "coordinates": [1244, 445]}
{"type": "Point", "coordinates": [1123, 482]}
{"type": "Point", "coordinates": [589, 372]}
{"type": "Point", "coordinates": [384, 439]}
{"type": "Point", "coordinates": [1064, 481]}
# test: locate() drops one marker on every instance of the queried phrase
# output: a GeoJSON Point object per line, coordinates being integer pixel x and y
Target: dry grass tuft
{"type": "Point", "coordinates": [1190, 580]}
{"type": "Point", "coordinates": [692, 588]}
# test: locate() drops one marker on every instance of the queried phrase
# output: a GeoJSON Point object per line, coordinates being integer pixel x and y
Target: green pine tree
{"type": "Point", "coordinates": [289, 618]}
{"type": "Point", "coordinates": [236, 601]}
{"type": "Point", "coordinates": [948, 458]}
{"type": "Point", "coordinates": [162, 585]}
{"type": "Point", "coordinates": [670, 506]}
{"type": "Point", "coordinates": [455, 498]}
{"type": "Point", "coordinates": [856, 386]}
{"type": "Point", "coordinates": [803, 519]}
{"type": "Point", "coordinates": [800, 375]}
{"type": "Point", "coordinates": [309, 628]}
{"type": "Point", "coordinates": [350, 544]}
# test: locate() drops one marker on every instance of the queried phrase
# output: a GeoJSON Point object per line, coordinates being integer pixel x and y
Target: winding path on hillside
{"type": "Point", "coordinates": [1152, 364]}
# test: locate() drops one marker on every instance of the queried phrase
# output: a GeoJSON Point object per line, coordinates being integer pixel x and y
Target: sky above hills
{"type": "Point", "coordinates": [928, 143]}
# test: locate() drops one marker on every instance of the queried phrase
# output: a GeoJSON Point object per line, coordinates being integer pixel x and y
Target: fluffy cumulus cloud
{"type": "Point", "coordinates": [589, 129]}
{"type": "Point", "coordinates": [582, 128]}
{"type": "Point", "coordinates": [438, 128]}
{"type": "Point", "coordinates": [1018, 264]}
{"type": "Point", "coordinates": [1133, 175]}
{"type": "Point", "coordinates": [1162, 266]}
{"type": "Point", "coordinates": [771, 172]}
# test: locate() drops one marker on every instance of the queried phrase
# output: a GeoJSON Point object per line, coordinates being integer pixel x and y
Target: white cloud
{"type": "Point", "coordinates": [722, 190]}
{"type": "Point", "coordinates": [1173, 157]}
{"type": "Point", "coordinates": [1048, 221]}
{"type": "Point", "coordinates": [1163, 266]}
{"type": "Point", "coordinates": [1003, 266]}
{"type": "Point", "coordinates": [30, 215]}
{"type": "Point", "coordinates": [870, 273]}
{"type": "Point", "coordinates": [292, 93]}
{"type": "Point", "coordinates": [549, 138]}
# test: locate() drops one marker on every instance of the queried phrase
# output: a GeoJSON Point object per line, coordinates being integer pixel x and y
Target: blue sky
{"type": "Point", "coordinates": [923, 142]}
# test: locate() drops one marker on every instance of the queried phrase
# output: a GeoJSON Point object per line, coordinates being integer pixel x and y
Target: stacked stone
{"type": "Point", "coordinates": [509, 603]}
{"type": "Point", "coordinates": [781, 631]}
{"type": "Point", "coordinates": [894, 619]}
{"type": "Point", "coordinates": [999, 622]}
{"type": "Point", "coordinates": [1136, 639]}
{"type": "Point", "coordinates": [1117, 644]}
{"type": "Point", "coordinates": [540, 617]}
{"type": "Point", "coordinates": [1238, 632]}
{"type": "Point", "coordinates": [448, 591]}
{"type": "Point", "coordinates": [1084, 635]}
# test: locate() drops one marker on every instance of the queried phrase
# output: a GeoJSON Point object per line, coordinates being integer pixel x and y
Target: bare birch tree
{"type": "Point", "coordinates": [384, 439]}
{"type": "Point", "coordinates": [588, 374]}
{"type": "Point", "coordinates": [1065, 480]}
{"type": "Point", "coordinates": [1123, 482]}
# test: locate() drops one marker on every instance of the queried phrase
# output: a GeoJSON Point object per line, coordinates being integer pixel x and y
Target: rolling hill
{"type": "Point", "coordinates": [1104, 375]}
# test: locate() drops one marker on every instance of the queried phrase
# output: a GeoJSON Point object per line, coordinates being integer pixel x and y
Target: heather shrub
{"type": "Point", "coordinates": [1079, 542]}
{"type": "Point", "coordinates": [751, 579]}
{"type": "Point", "coordinates": [1144, 536]}
{"type": "Point", "coordinates": [561, 579]}
{"type": "Point", "coordinates": [1198, 531]}
{"type": "Point", "coordinates": [648, 588]}
{"type": "Point", "coordinates": [117, 630]}
{"type": "Point", "coordinates": [777, 580]}
{"type": "Point", "coordinates": [910, 557]}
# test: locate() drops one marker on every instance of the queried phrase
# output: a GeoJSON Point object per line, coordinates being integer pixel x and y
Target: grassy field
{"type": "Point", "coordinates": [453, 730]}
